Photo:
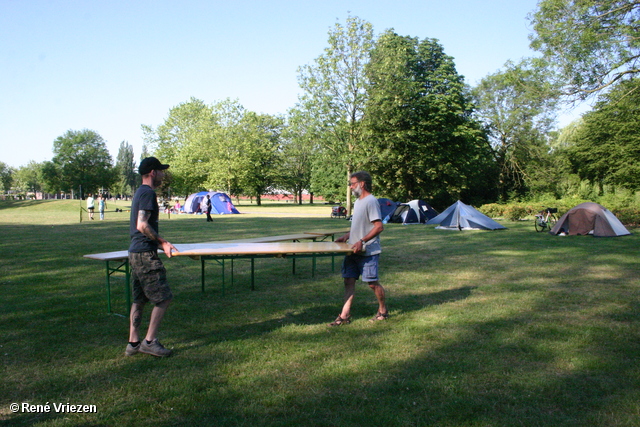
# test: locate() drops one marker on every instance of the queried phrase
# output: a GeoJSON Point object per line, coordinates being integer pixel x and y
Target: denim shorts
{"type": "Point", "coordinates": [355, 265]}
{"type": "Point", "coordinates": [149, 278]}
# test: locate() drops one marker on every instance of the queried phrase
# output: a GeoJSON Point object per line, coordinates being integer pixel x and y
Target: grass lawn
{"type": "Point", "coordinates": [502, 328]}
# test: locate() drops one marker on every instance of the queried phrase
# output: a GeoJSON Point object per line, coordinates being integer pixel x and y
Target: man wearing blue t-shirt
{"type": "Point", "coordinates": [366, 226]}
{"type": "Point", "coordinates": [147, 271]}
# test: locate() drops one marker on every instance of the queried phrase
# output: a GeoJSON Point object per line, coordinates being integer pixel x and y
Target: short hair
{"type": "Point", "coordinates": [365, 177]}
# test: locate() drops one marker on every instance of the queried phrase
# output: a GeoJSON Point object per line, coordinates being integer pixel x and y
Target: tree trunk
{"type": "Point", "coordinates": [348, 203]}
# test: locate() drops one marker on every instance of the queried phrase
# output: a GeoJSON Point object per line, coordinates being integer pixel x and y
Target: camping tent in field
{"type": "Point", "coordinates": [459, 216]}
{"type": "Point", "coordinates": [590, 218]}
{"type": "Point", "coordinates": [387, 207]}
{"type": "Point", "coordinates": [413, 212]}
{"type": "Point", "coordinates": [220, 203]}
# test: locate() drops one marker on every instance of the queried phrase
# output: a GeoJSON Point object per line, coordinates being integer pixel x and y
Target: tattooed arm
{"type": "Point", "coordinates": [145, 228]}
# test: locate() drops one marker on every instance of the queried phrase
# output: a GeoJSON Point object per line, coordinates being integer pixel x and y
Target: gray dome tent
{"type": "Point", "coordinates": [459, 216]}
{"type": "Point", "coordinates": [590, 218]}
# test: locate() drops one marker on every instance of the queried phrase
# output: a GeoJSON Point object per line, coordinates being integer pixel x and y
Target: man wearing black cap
{"type": "Point", "coordinates": [148, 272]}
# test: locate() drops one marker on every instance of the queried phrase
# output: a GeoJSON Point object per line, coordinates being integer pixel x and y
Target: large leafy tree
{"type": "Point", "coordinates": [589, 43]}
{"type": "Point", "coordinates": [260, 150]}
{"type": "Point", "coordinates": [224, 155]}
{"type": "Point", "coordinates": [422, 139]}
{"type": "Point", "coordinates": [81, 162]}
{"type": "Point", "coordinates": [606, 147]}
{"type": "Point", "coordinates": [183, 141]}
{"type": "Point", "coordinates": [335, 94]}
{"type": "Point", "coordinates": [518, 106]}
{"type": "Point", "coordinates": [297, 155]}
{"type": "Point", "coordinates": [222, 146]}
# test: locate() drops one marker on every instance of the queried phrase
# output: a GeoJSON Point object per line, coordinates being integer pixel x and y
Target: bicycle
{"type": "Point", "coordinates": [545, 219]}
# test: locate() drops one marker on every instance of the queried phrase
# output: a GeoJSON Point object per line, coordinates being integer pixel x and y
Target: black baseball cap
{"type": "Point", "coordinates": [151, 164]}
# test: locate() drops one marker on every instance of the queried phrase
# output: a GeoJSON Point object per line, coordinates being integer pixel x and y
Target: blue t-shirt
{"type": "Point", "coordinates": [144, 199]}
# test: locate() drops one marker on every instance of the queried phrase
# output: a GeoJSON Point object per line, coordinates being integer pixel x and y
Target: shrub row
{"type": "Point", "coordinates": [518, 211]}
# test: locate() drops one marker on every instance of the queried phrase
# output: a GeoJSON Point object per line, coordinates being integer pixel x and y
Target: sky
{"type": "Point", "coordinates": [112, 66]}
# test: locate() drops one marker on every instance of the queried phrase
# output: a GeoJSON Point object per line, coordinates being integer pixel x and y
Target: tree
{"type": "Point", "coordinates": [327, 177]}
{"type": "Point", "coordinates": [184, 141]}
{"type": "Point", "coordinates": [126, 169]}
{"type": "Point", "coordinates": [590, 44]}
{"type": "Point", "coordinates": [422, 139]}
{"type": "Point", "coordinates": [606, 147]}
{"type": "Point", "coordinates": [335, 94]}
{"type": "Point", "coordinates": [221, 146]}
{"type": "Point", "coordinates": [6, 177]}
{"type": "Point", "coordinates": [226, 167]}
{"type": "Point", "coordinates": [566, 181]}
{"type": "Point", "coordinates": [260, 153]}
{"type": "Point", "coordinates": [29, 178]}
{"type": "Point", "coordinates": [297, 155]}
{"type": "Point", "coordinates": [518, 107]}
{"type": "Point", "coordinates": [81, 161]}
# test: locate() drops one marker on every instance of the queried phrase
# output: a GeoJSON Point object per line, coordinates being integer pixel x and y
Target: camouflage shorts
{"type": "Point", "coordinates": [149, 278]}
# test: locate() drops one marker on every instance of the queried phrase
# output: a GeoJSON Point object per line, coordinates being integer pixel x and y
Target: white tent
{"type": "Point", "coordinates": [459, 216]}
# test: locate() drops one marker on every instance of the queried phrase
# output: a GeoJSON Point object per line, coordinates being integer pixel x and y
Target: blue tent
{"type": "Point", "coordinates": [387, 207]}
{"type": "Point", "coordinates": [413, 212]}
{"type": "Point", "coordinates": [459, 216]}
{"type": "Point", "coordinates": [220, 203]}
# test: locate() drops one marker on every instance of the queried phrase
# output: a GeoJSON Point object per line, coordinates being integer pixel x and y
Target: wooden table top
{"type": "Point", "coordinates": [274, 248]}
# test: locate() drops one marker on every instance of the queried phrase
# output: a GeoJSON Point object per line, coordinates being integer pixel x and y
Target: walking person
{"type": "Point", "coordinates": [363, 236]}
{"type": "Point", "coordinates": [148, 272]}
{"type": "Point", "coordinates": [209, 219]}
{"type": "Point", "coordinates": [90, 205]}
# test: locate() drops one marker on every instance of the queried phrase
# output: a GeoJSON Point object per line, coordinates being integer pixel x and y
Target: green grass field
{"type": "Point", "coordinates": [503, 328]}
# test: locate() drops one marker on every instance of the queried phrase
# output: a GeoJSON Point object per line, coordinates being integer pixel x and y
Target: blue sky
{"type": "Point", "coordinates": [111, 66]}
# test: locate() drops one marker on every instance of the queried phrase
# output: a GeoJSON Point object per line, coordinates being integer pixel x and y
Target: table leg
{"type": "Point", "coordinates": [108, 282]}
{"type": "Point", "coordinates": [313, 266]}
{"type": "Point", "coordinates": [127, 283]}
{"type": "Point", "coordinates": [333, 257]}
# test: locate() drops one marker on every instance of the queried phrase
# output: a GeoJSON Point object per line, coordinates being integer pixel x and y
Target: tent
{"type": "Point", "coordinates": [387, 207]}
{"type": "Point", "coordinates": [413, 212]}
{"type": "Point", "coordinates": [459, 216]}
{"type": "Point", "coordinates": [590, 218]}
{"type": "Point", "coordinates": [220, 203]}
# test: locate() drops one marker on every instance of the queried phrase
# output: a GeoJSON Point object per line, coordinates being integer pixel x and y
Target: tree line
{"type": "Point", "coordinates": [395, 105]}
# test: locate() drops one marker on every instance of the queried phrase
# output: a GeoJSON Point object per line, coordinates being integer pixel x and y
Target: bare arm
{"type": "Point", "coordinates": [343, 238]}
{"type": "Point", "coordinates": [377, 229]}
{"type": "Point", "coordinates": [143, 226]}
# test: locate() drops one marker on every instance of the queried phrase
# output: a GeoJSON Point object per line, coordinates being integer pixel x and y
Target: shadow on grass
{"type": "Point", "coordinates": [493, 330]}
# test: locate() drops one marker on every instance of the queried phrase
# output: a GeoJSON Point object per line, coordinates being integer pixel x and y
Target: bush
{"type": "Point", "coordinates": [492, 210]}
{"type": "Point", "coordinates": [515, 212]}
{"type": "Point", "coordinates": [622, 205]}
{"type": "Point", "coordinates": [627, 216]}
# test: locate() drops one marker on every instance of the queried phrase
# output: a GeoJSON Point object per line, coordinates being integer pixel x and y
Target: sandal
{"type": "Point", "coordinates": [380, 316]}
{"type": "Point", "coordinates": [340, 321]}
